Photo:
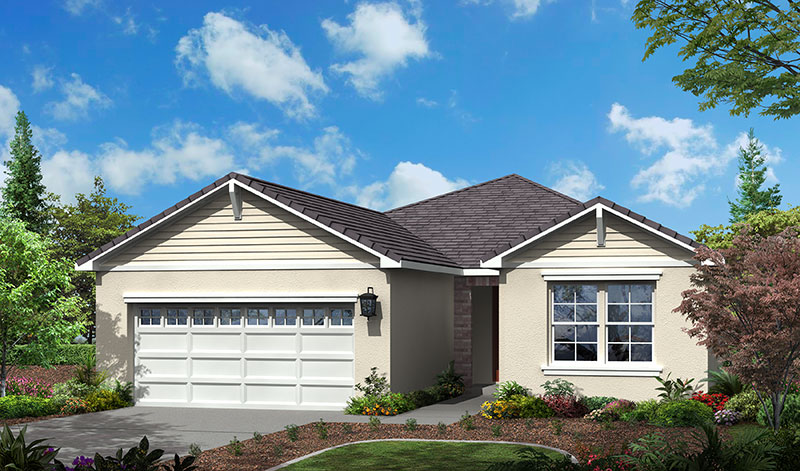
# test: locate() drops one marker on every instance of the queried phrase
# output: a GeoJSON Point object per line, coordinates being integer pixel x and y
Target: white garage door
{"type": "Point", "coordinates": [253, 356]}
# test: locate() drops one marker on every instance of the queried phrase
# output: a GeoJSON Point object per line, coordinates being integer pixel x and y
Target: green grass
{"type": "Point", "coordinates": [400, 455]}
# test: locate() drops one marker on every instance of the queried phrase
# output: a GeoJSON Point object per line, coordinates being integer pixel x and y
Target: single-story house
{"type": "Point", "coordinates": [246, 294]}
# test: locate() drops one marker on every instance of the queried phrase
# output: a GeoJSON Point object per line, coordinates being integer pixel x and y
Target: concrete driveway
{"type": "Point", "coordinates": [174, 429]}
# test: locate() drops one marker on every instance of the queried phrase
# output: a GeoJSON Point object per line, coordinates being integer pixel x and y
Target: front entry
{"type": "Point", "coordinates": [485, 367]}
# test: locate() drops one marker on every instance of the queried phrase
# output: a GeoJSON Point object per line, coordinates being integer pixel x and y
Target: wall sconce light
{"type": "Point", "coordinates": [368, 303]}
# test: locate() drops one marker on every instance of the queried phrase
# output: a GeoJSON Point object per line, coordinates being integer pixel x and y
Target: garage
{"type": "Point", "coordinates": [278, 355]}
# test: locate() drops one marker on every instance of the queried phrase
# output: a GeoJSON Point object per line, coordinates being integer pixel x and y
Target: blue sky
{"type": "Point", "coordinates": [377, 103]}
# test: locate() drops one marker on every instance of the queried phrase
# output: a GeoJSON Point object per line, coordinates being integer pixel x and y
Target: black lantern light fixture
{"type": "Point", "coordinates": [368, 303]}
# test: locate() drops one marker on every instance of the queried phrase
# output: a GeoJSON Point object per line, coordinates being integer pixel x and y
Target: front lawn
{"type": "Point", "coordinates": [413, 455]}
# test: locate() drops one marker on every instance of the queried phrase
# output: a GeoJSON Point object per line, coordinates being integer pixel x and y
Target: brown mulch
{"type": "Point", "coordinates": [49, 376]}
{"type": "Point", "coordinates": [577, 436]}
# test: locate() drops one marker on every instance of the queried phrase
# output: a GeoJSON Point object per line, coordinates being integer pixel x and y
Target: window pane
{"type": "Point", "coordinates": [285, 316]}
{"type": "Point", "coordinates": [586, 294]}
{"type": "Point", "coordinates": [563, 313]}
{"type": "Point", "coordinates": [203, 317]}
{"type": "Point", "coordinates": [618, 352]}
{"type": "Point", "coordinates": [313, 316]}
{"type": "Point", "coordinates": [641, 313]}
{"type": "Point", "coordinates": [618, 293]}
{"type": "Point", "coordinates": [347, 318]}
{"type": "Point", "coordinates": [587, 352]}
{"type": "Point", "coordinates": [177, 316]}
{"type": "Point", "coordinates": [641, 352]}
{"type": "Point", "coordinates": [641, 293]}
{"type": "Point", "coordinates": [150, 317]}
{"type": "Point", "coordinates": [258, 317]}
{"type": "Point", "coordinates": [641, 333]}
{"type": "Point", "coordinates": [564, 333]}
{"type": "Point", "coordinates": [230, 316]}
{"type": "Point", "coordinates": [586, 333]}
{"type": "Point", "coordinates": [586, 313]}
{"type": "Point", "coordinates": [617, 333]}
{"type": "Point", "coordinates": [563, 294]}
{"type": "Point", "coordinates": [617, 313]}
{"type": "Point", "coordinates": [564, 352]}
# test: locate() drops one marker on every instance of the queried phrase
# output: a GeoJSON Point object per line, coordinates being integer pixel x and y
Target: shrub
{"type": "Point", "coordinates": [292, 432]}
{"type": "Point", "coordinates": [725, 383]}
{"type": "Point", "coordinates": [22, 386]}
{"type": "Point", "coordinates": [12, 407]}
{"type": "Point", "coordinates": [790, 415]}
{"type": "Point", "coordinates": [788, 442]}
{"type": "Point", "coordinates": [16, 454]}
{"type": "Point", "coordinates": [531, 407]}
{"type": "Point", "coordinates": [619, 407]}
{"type": "Point", "coordinates": [75, 405]}
{"type": "Point", "coordinates": [645, 411]}
{"type": "Point", "coordinates": [105, 400]}
{"type": "Point", "coordinates": [374, 384]}
{"type": "Point", "coordinates": [86, 373]}
{"type": "Point", "coordinates": [68, 354]}
{"type": "Point", "coordinates": [558, 387]}
{"type": "Point", "coordinates": [322, 428]}
{"type": "Point", "coordinates": [411, 424]}
{"type": "Point", "coordinates": [745, 403]}
{"type": "Point", "coordinates": [467, 422]}
{"type": "Point", "coordinates": [715, 401]}
{"type": "Point", "coordinates": [124, 390]}
{"type": "Point", "coordinates": [73, 388]}
{"type": "Point", "coordinates": [450, 382]}
{"type": "Point", "coordinates": [674, 389]}
{"type": "Point", "coordinates": [565, 406]}
{"type": "Point", "coordinates": [390, 404]}
{"type": "Point", "coordinates": [374, 422]}
{"type": "Point", "coordinates": [683, 413]}
{"type": "Point", "coordinates": [507, 389]}
{"type": "Point", "coordinates": [593, 403]}
{"type": "Point", "coordinates": [726, 417]}
{"type": "Point", "coordinates": [499, 409]}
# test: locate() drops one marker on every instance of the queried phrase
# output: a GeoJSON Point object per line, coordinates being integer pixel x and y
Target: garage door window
{"type": "Point", "coordinates": [258, 317]}
{"type": "Point", "coordinates": [341, 317]}
{"type": "Point", "coordinates": [229, 316]}
{"type": "Point", "coordinates": [314, 316]}
{"type": "Point", "coordinates": [177, 316]}
{"type": "Point", "coordinates": [285, 317]}
{"type": "Point", "coordinates": [203, 317]}
{"type": "Point", "coordinates": [150, 317]}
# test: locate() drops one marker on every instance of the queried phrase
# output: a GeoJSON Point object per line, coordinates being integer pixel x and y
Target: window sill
{"type": "Point", "coordinates": [641, 370]}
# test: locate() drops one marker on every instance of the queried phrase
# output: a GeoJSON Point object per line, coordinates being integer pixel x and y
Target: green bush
{"type": "Point", "coordinates": [790, 415]}
{"type": "Point", "coordinates": [508, 389]}
{"type": "Point", "coordinates": [15, 453]}
{"type": "Point", "coordinates": [73, 388]}
{"type": "Point", "coordinates": [597, 402]}
{"type": "Point", "coordinates": [450, 381]}
{"type": "Point", "coordinates": [683, 413]}
{"type": "Point", "coordinates": [13, 407]}
{"type": "Point", "coordinates": [68, 354]}
{"type": "Point", "coordinates": [105, 400]}
{"type": "Point", "coordinates": [531, 407]}
{"type": "Point", "coordinates": [425, 397]}
{"type": "Point", "coordinates": [746, 403]}
{"type": "Point", "coordinates": [645, 411]}
{"type": "Point", "coordinates": [787, 440]}
{"type": "Point", "coordinates": [390, 404]}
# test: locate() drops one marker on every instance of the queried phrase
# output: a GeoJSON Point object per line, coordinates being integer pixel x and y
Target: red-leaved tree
{"type": "Point", "coordinates": [745, 307]}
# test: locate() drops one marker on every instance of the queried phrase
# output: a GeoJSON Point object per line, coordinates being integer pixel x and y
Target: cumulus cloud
{"type": "Point", "coordinates": [408, 182]}
{"type": "Point", "coordinates": [383, 38]}
{"type": "Point", "coordinates": [9, 105]}
{"type": "Point", "coordinates": [691, 154]}
{"type": "Point", "coordinates": [517, 9]}
{"type": "Point", "coordinates": [42, 79]}
{"type": "Point", "coordinates": [78, 98]}
{"type": "Point", "coordinates": [66, 173]}
{"type": "Point", "coordinates": [576, 180]}
{"type": "Point", "coordinates": [256, 60]}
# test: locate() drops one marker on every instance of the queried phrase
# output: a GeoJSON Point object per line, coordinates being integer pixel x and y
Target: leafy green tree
{"type": "Point", "coordinates": [35, 307]}
{"type": "Point", "coordinates": [81, 228]}
{"type": "Point", "coordinates": [764, 223]}
{"type": "Point", "coordinates": [752, 174]}
{"type": "Point", "coordinates": [25, 196]}
{"type": "Point", "coordinates": [747, 52]}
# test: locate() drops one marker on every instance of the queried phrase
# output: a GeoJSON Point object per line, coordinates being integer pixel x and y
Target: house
{"type": "Point", "coordinates": [245, 294]}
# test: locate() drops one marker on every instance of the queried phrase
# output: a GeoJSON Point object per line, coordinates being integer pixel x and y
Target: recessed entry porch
{"type": "Point", "coordinates": [476, 329]}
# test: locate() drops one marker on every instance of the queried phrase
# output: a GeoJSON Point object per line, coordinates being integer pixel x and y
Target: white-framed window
{"type": "Point", "coordinates": [177, 316]}
{"type": "Point", "coordinates": [202, 317]}
{"type": "Point", "coordinates": [258, 316]}
{"type": "Point", "coordinates": [230, 316]}
{"type": "Point", "coordinates": [629, 322]}
{"type": "Point", "coordinates": [285, 317]}
{"type": "Point", "coordinates": [150, 316]}
{"type": "Point", "coordinates": [313, 316]}
{"type": "Point", "coordinates": [341, 317]}
{"type": "Point", "coordinates": [575, 322]}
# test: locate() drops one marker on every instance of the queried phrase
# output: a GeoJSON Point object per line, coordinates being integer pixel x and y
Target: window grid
{"type": "Point", "coordinates": [341, 317]}
{"type": "Point", "coordinates": [150, 317]}
{"type": "Point", "coordinates": [285, 317]}
{"type": "Point", "coordinates": [314, 317]}
{"type": "Point", "coordinates": [258, 317]}
{"type": "Point", "coordinates": [297, 316]}
{"type": "Point", "coordinates": [203, 317]}
{"type": "Point", "coordinates": [575, 323]}
{"type": "Point", "coordinates": [177, 316]}
{"type": "Point", "coordinates": [230, 316]}
{"type": "Point", "coordinates": [629, 322]}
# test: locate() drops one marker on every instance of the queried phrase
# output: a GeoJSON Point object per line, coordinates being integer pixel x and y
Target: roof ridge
{"type": "Point", "coordinates": [547, 188]}
{"type": "Point", "coordinates": [426, 200]}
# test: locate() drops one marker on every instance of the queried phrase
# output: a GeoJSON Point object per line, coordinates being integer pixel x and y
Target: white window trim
{"type": "Point", "coordinates": [603, 274]}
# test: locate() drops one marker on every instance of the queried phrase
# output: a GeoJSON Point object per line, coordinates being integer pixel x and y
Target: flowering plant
{"type": "Point", "coordinates": [81, 463]}
{"type": "Point", "coordinates": [726, 417]}
{"type": "Point", "coordinates": [715, 401]}
{"type": "Point", "coordinates": [565, 406]}
{"type": "Point", "coordinates": [23, 386]}
{"type": "Point", "coordinates": [499, 409]}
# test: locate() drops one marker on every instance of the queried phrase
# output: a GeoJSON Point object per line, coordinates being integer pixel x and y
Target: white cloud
{"type": "Point", "coordinates": [67, 173]}
{"type": "Point", "coordinates": [421, 101]}
{"type": "Point", "coordinates": [42, 79]}
{"type": "Point", "coordinates": [330, 157]}
{"type": "Point", "coordinates": [48, 140]}
{"type": "Point", "coordinates": [9, 105]}
{"type": "Point", "coordinates": [259, 61]}
{"type": "Point", "coordinates": [518, 9]}
{"type": "Point", "coordinates": [408, 182]}
{"type": "Point", "coordinates": [384, 39]}
{"type": "Point", "coordinates": [576, 180]}
{"type": "Point", "coordinates": [691, 154]}
{"type": "Point", "coordinates": [76, 7]}
{"type": "Point", "coordinates": [78, 98]}
{"type": "Point", "coordinates": [127, 21]}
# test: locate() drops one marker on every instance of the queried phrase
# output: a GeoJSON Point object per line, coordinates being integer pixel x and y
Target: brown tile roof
{"type": "Point", "coordinates": [466, 223]}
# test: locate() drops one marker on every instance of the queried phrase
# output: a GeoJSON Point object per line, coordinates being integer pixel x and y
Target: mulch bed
{"type": "Point", "coordinates": [49, 376]}
{"type": "Point", "coordinates": [577, 436]}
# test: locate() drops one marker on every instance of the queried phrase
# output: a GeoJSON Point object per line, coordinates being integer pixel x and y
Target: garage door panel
{"type": "Point", "coordinates": [264, 394]}
{"type": "Point", "coordinates": [271, 343]}
{"type": "Point", "coordinates": [217, 393]}
{"type": "Point", "coordinates": [162, 367]}
{"type": "Point", "coordinates": [324, 395]}
{"type": "Point", "coordinates": [341, 369]}
{"type": "Point", "coordinates": [327, 344]}
{"type": "Point", "coordinates": [163, 392]}
{"type": "Point", "coordinates": [162, 342]}
{"type": "Point", "coordinates": [216, 341]}
{"type": "Point", "coordinates": [216, 368]}
{"type": "Point", "coordinates": [271, 368]}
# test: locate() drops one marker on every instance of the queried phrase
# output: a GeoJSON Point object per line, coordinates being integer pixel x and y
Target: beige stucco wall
{"type": "Point", "coordinates": [422, 327]}
{"type": "Point", "coordinates": [115, 339]}
{"type": "Point", "coordinates": [482, 335]}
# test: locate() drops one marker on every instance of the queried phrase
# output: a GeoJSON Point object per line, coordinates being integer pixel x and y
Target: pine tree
{"type": "Point", "coordinates": [24, 195]}
{"type": "Point", "coordinates": [752, 174]}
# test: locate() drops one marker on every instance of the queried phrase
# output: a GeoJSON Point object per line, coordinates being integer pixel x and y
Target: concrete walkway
{"type": "Point", "coordinates": [174, 429]}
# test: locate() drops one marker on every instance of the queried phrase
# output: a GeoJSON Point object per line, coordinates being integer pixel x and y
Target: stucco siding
{"type": "Point", "coordinates": [210, 233]}
{"type": "Point", "coordinates": [422, 327]}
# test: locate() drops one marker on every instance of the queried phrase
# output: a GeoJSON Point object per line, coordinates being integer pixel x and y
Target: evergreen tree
{"type": "Point", "coordinates": [24, 195]}
{"type": "Point", "coordinates": [752, 174]}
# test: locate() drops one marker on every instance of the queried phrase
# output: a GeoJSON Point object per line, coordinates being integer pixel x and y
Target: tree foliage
{"type": "Point", "coordinates": [745, 307]}
{"type": "Point", "coordinates": [752, 174]}
{"type": "Point", "coordinates": [763, 223]}
{"type": "Point", "coordinates": [747, 53]}
{"type": "Point", "coordinates": [34, 304]}
{"type": "Point", "coordinates": [24, 195]}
